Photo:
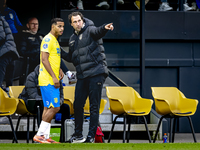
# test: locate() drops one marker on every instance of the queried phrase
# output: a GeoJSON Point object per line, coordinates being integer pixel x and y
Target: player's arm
{"type": "Point", "coordinates": [45, 62]}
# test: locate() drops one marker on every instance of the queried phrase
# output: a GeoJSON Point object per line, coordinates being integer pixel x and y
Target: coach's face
{"type": "Point", "coordinates": [77, 23]}
{"type": "Point", "coordinates": [33, 25]}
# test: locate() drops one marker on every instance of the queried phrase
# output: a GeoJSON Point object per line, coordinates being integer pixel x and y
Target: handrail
{"type": "Point", "coordinates": [116, 79]}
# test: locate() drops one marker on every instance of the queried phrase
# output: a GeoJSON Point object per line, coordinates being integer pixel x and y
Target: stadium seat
{"type": "Point", "coordinates": [24, 111]}
{"type": "Point", "coordinates": [87, 107]}
{"type": "Point", "coordinates": [69, 92]}
{"type": "Point", "coordinates": [171, 103]}
{"type": "Point", "coordinates": [8, 107]}
{"type": "Point", "coordinates": [126, 102]}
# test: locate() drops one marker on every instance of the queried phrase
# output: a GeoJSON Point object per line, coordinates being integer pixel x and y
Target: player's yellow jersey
{"type": "Point", "coordinates": [50, 45]}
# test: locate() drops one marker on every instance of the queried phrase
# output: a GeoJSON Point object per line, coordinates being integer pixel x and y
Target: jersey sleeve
{"type": "Point", "coordinates": [45, 45]}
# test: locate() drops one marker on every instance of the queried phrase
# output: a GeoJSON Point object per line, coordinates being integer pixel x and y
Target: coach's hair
{"type": "Point", "coordinates": [31, 18]}
{"type": "Point", "coordinates": [76, 13]}
{"type": "Point", "coordinates": [55, 20]}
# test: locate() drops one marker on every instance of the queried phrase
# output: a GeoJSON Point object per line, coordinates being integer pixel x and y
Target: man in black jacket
{"type": "Point", "coordinates": [8, 53]}
{"type": "Point", "coordinates": [30, 43]}
{"type": "Point", "coordinates": [32, 91]}
{"type": "Point", "coordinates": [86, 52]}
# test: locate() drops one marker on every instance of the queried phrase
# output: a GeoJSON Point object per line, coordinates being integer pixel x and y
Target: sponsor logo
{"type": "Point", "coordinates": [58, 50]}
{"type": "Point", "coordinates": [47, 40]}
{"type": "Point", "coordinates": [45, 46]}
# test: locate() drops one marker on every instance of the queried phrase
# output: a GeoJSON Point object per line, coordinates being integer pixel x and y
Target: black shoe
{"type": "Point", "coordinates": [76, 139]}
{"type": "Point", "coordinates": [89, 140]}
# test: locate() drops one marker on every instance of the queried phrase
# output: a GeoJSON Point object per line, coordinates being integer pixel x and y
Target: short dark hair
{"type": "Point", "coordinates": [76, 13]}
{"type": "Point", "coordinates": [29, 19]}
{"type": "Point", "coordinates": [55, 20]}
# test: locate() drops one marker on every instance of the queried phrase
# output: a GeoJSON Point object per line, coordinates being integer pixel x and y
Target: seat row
{"type": "Point", "coordinates": [124, 102]}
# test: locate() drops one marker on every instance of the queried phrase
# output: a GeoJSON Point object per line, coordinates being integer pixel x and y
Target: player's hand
{"type": "Point", "coordinates": [109, 26]}
{"type": "Point", "coordinates": [56, 83]}
{"type": "Point", "coordinates": [61, 74]}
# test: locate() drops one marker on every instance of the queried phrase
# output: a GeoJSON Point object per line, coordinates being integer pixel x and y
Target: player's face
{"type": "Point", "coordinates": [33, 25]}
{"type": "Point", "coordinates": [59, 28]}
{"type": "Point", "coordinates": [77, 23]}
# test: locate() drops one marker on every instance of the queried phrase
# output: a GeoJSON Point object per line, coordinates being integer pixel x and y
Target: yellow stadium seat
{"type": "Point", "coordinates": [126, 102]}
{"type": "Point", "coordinates": [69, 92]}
{"type": "Point", "coordinates": [171, 103]}
{"type": "Point", "coordinates": [14, 92]}
{"type": "Point", "coordinates": [8, 107]}
{"type": "Point", "coordinates": [22, 110]}
{"type": "Point", "coordinates": [87, 107]}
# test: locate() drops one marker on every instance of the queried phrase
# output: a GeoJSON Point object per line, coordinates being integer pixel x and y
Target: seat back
{"type": "Point", "coordinates": [3, 95]}
{"type": "Point", "coordinates": [87, 107]}
{"type": "Point", "coordinates": [126, 95]}
{"type": "Point", "coordinates": [7, 105]}
{"type": "Point", "coordinates": [171, 94]}
{"type": "Point", "coordinates": [69, 95]}
{"type": "Point", "coordinates": [14, 91]}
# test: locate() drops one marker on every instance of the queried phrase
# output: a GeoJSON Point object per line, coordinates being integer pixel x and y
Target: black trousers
{"type": "Point", "coordinates": [65, 111]}
{"type": "Point", "coordinates": [92, 87]}
{"type": "Point", "coordinates": [6, 69]}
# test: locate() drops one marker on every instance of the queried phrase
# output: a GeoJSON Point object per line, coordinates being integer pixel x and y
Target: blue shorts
{"type": "Point", "coordinates": [50, 96]}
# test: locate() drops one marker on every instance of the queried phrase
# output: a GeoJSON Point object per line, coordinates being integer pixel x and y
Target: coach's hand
{"type": "Point", "coordinates": [109, 26]}
{"type": "Point", "coordinates": [61, 74]}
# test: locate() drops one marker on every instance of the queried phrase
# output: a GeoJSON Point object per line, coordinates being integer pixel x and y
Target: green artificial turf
{"type": "Point", "coordinates": [102, 146]}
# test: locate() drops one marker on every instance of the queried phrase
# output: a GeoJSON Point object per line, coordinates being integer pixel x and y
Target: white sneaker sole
{"type": "Point", "coordinates": [79, 141]}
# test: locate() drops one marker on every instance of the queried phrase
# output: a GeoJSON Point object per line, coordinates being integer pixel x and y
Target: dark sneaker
{"type": "Point", "coordinates": [72, 79]}
{"type": "Point", "coordinates": [89, 140]}
{"type": "Point", "coordinates": [77, 139]}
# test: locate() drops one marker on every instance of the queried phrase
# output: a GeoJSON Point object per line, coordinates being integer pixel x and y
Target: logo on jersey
{"type": "Point", "coordinates": [45, 46]}
{"type": "Point", "coordinates": [58, 51]}
{"type": "Point", "coordinates": [47, 40]}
